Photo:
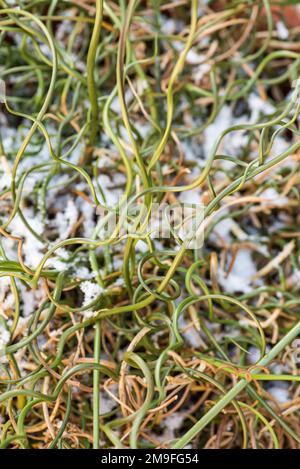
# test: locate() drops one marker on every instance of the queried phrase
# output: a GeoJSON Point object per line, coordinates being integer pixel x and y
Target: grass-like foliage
{"type": "Point", "coordinates": [125, 340]}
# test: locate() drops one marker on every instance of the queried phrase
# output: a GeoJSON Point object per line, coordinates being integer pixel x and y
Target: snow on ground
{"type": "Point", "coordinates": [239, 279]}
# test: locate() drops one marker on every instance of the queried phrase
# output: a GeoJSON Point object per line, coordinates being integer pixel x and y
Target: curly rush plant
{"type": "Point", "coordinates": [123, 338]}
